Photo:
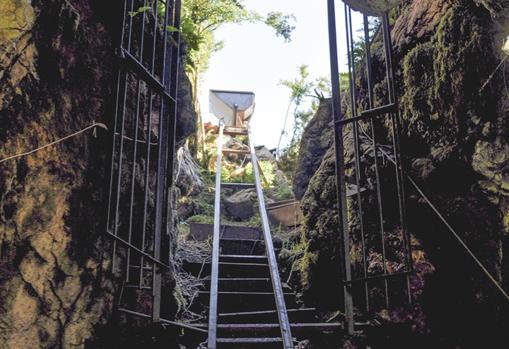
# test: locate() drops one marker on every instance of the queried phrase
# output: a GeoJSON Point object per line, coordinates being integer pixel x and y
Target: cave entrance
{"type": "Point", "coordinates": [142, 153]}
{"type": "Point", "coordinates": [376, 258]}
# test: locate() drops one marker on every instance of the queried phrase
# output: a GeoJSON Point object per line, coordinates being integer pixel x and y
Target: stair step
{"type": "Point", "coordinates": [235, 131]}
{"type": "Point", "coordinates": [236, 151]}
{"type": "Point", "coordinates": [229, 302]}
{"type": "Point", "coordinates": [242, 284]}
{"type": "Point", "coordinates": [268, 316]}
{"type": "Point", "coordinates": [246, 246]}
{"type": "Point", "coordinates": [203, 232]}
{"type": "Point", "coordinates": [238, 186]}
{"type": "Point", "coordinates": [242, 246]}
{"type": "Point", "coordinates": [299, 330]}
{"type": "Point", "coordinates": [250, 343]}
{"type": "Point", "coordinates": [238, 258]}
{"type": "Point", "coordinates": [229, 269]}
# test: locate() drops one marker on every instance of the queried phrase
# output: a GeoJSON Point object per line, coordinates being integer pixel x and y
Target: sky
{"type": "Point", "coordinates": [255, 59]}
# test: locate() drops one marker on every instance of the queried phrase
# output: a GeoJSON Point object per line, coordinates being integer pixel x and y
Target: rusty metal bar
{"type": "Point", "coordinates": [149, 137]}
{"type": "Point", "coordinates": [357, 160]}
{"type": "Point", "coordinates": [214, 275]}
{"type": "Point", "coordinates": [369, 76]}
{"type": "Point", "coordinates": [284, 322]}
{"type": "Point", "coordinates": [160, 186]}
{"type": "Point", "coordinates": [396, 131]}
{"type": "Point", "coordinates": [340, 175]}
{"type": "Point", "coordinates": [163, 321]}
{"type": "Point", "coordinates": [369, 114]}
{"type": "Point", "coordinates": [137, 250]}
{"type": "Point", "coordinates": [133, 64]}
{"type": "Point", "coordinates": [122, 84]}
{"type": "Point", "coordinates": [135, 150]}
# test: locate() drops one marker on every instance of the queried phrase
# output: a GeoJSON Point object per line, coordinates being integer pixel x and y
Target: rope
{"type": "Point", "coordinates": [95, 124]}
{"type": "Point", "coordinates": [446, 223]}
{"type": "Point", "coordinates": [493, 74]}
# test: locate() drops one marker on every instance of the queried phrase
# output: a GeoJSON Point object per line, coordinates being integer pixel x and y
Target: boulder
{"type": "Point", "coordinates": [262, 153]}
{"type": "Point", "coordinates": [240, 206]}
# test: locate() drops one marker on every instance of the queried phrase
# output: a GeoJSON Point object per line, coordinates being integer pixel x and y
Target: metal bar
{"type": "Point", "coordinates": [376, 277]}
{"type": "Point", "coordinates": [135, 66]}
{"type": "Point", "coordinates": [122, 134]}
{"type": "Point", "coordinates": [238, 186]}
{"type": "Point", "coordinates": [161, 181]}
{"type": "Point", "coordinates": [115, 121]}
{"type": "Point", "coordinates": [369, 71]}
{"type": "Point", "coordinates": [353, 103]}
{"type": "Point", "coordinates": [340, 175]}
{"type": "Point", "coordinates": [369, 114]}
{"type": "Point", "coordinates": [385, 109]}
{"type": "Point", "coordinates": [396, 144]}
{"type": "Point", "coordinates": [135, 149]}
{"type": "Point", "coordinates": [284, 322]}
{"type": "Point", "coordinates": [174, 75]}
{"type": "Point", "coordinates": [133, 178]}
{"type": "Point", "coordinates": [137, 250]}
{"type": "Point", "coordinates": [149, 136]}
{"type": "Point", "coordinates": [163, 321]}
{"type": "Point", "coordinates": [214, 274]}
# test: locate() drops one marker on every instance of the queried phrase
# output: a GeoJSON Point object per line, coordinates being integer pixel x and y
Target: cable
{"type": "Point", "coordinates": [449, 227]}
{"type": "Point", "coordinates": [95, 124]}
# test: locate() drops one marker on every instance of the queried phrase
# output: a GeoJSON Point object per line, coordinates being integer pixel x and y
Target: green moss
{"type": "Point", "coordinates": [200, 218]}
{"type": "Point", "coordinates": [17, 16]}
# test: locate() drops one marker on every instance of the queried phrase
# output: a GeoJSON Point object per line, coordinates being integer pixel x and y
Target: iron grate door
{"type": "Point", "coordinates": [376, 250]}
{"type": "Point", "coordinates": [143, 150]}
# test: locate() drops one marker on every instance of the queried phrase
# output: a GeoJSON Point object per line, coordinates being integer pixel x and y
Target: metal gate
{"type": "Point", "coordinates": [368, 125]}
{"type": "Point", "coordinates": [143, 151]}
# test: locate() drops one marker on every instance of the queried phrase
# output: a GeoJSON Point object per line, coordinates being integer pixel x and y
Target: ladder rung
{"type": "Point", "coordinates": [235, 131]}
{"type": "Point", "coordinates": [238, 185]}
{"type": "Point", "coordinates": [235, 151]}
{"type": "Point", "coordinates": [255, 340]}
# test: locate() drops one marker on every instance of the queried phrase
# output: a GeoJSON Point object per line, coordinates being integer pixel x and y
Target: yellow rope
{"type": "Point", "coordinates": [95, 124]}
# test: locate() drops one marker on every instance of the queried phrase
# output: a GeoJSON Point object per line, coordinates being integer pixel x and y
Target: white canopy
{"type": "Point", "coordinates": [372, 7]}
{"type": "Point", "coordinates": [233, 107]}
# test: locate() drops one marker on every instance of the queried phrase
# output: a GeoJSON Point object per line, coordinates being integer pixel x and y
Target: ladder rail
{"type": "Point", "coordinates": [212, 329]}
{"type": "Point", "coordinates": [284, 322]}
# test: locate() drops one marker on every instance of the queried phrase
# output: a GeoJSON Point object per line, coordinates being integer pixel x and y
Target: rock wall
{"type": "Point", "coordinates": [57, 72]}
{"type": "Point", "coordinates": [455, 135]}
{"type": "Point", "coordinates": [316, 139]}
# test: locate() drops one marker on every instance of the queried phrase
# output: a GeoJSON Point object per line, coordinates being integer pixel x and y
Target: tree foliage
{"type": "Point", "coordinates": [201, 18]}
{"type": "Point", "coordinates": [303, 89]}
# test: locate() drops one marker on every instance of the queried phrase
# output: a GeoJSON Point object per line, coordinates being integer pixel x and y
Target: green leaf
{"type": "Point", "coordinates": [171, 29]}
{"type": "Point", "coordinates": [140, 10]}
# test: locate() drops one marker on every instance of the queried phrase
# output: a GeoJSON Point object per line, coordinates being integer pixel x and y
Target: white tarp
{"type": "Point", "coordinates": [372, 7]}
{"type": "Point", "coordinates": [224, 103]}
